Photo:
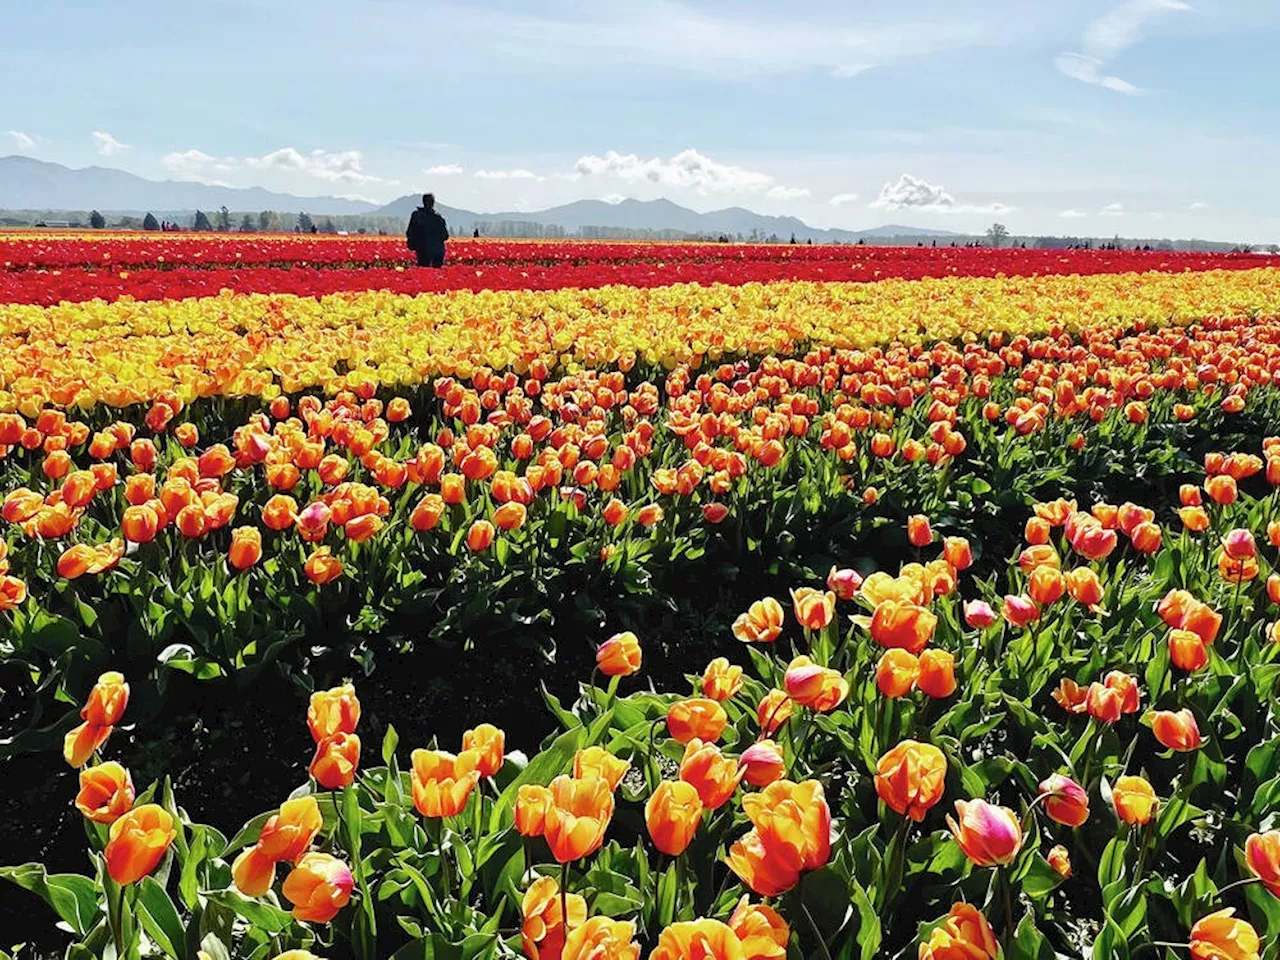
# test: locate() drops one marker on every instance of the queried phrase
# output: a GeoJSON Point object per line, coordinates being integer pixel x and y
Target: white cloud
{"type": "Point", "coordinates": [1113, 210]}
{"type": "Point", "coordinates": [688, 169]}
{"type": "Point", "coordinates": [346, 166]}
{"type": "Point", "coordinates": [1198, 205]}
{"type": "Point", "coordinates": [1109, 35]}
{"type": "Point", "coordinates": [22, 142]}
{"type": "Point", "coordinates": [613, 198]}
{"type": "Point", "coordinates": [107, 145]}
{"type": "Point", "coordinates": [1072, 214]}
{"type": "Point", "coordinates": [846, 70]}
{"type": "Point", "coordinates": [191, 162]}
{"type": "Point", "coordinates": [912, 193]}
{"type": "Point", "coordinates": [444, 170]}
{"type": "Point", "coordinates": [518, 174]}
{"type": "Point", "coordinates": [840, 199]}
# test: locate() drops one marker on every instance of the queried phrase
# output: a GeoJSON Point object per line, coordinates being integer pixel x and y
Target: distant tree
{"type": "Point", "coordinates": [224, 219]}
{"type": "Point", "coordinates": [304, 222]}
{"type": "Point", "coordinates": [246, 224]}
{"type": "Point", "coordinates": [997, 233]}
{"type": "Point", "coordinates": [202, 222]}
{"type": "Point", "coordinates": [97, 220]}
{"type": "Point", "coordinates": [264, 220]}
{"type": "Point", "coordinates": [328, 226]}
{"type": "Point", "coordinates": [149, 222]}
{"type": "Point", "coordinates": [1273, 248]}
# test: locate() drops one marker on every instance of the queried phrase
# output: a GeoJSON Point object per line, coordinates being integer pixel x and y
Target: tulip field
{"type": "Point", "coordinates": [604, 601]}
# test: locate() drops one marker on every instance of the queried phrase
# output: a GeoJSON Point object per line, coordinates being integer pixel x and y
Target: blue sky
{"type": "Point", "coordinates": [1142, 117]}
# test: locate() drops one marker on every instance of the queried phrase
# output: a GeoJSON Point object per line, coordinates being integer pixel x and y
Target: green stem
{"type": "Point", "coordinates": [813, 925]}
{"type": "Point", "coordinates": [564, 896]}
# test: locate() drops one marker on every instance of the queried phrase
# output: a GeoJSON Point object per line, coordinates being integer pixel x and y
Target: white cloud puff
{"type": "Point", "coordinates": [1198, 205]}
{"type": "Point", "coordinates": [912, 193]}
{"type": "Point", "coordinates": [106, 144]}
{"type": "Point", "coordinates": [518, 174]}
{"type": "Point", "coordinates": [1113, 210]}
{"type": "Point", "coordinates": [840, 199]}
{"type": "Point", "coordinates": [1108, 35]}
{"type": "Point", "coordinates": [444, 170]}
{"type": "Point", "coordinates": [346, 166]}
{"type": "Point", "coordinates": [1072, 214]}
{"type": "Point", "coordinates": [787, 193]}
{"type": "Point", "coordinates": [689, 169]}
{"type": "Point", "coordinates": [22, 142]}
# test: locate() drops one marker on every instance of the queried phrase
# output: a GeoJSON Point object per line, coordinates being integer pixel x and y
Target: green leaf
{"type": "Point", "coordinates": [215, 948]}
{"type": "Point", "coordinates": [263, 915]}
{"type": "Point", "coordinates": [1040, 879]}
{"type": "Point", "coordinates": [74, 898]}
{"type": "Point", "coordinates": [160, 918]}
{"type": "Point", "coordinates": [389, 743]}
{"type": "Point", "coordinates": [1028, 942]}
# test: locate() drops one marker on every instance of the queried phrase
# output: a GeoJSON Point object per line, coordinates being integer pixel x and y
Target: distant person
{"type": "Point", "coordinates": [427, 233]}
{"type": "Point", "coordinates": [475, 234]}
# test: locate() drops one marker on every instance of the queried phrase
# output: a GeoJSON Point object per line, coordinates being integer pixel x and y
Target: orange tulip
{"type": "Point", "coordinates": [620, 655]}
{"type": "Point", "coordinates": [762, 623]}
{"type": "Point", "coordinates": [773, 711]}
{"type": "Point", "coordinates": [756, 866]}
{"type": "Point", "coordinates": [763, 932]}
{"type": "Point", "coordinates": [793, 822]}
{"type": "Point", "coordinates": [253, 872]}
{"type": "Point", "coordinates": [601, 938]}
{"type": "Point", "coordinates": [442, 782]}
{"type": "Point", "coordinates": [488, 743]}
{"type": "Point", "coordinates": [649, 515]}
{"type": "Point", "coordinates": [106, 792]}
{"type": "Point", "coordinates": [763, 763]}
{"type": "Point", "coordinates": [335, 761]}
{"type": "Point", "coordinates": [1046, 585]}
{"type": "Point", "coordinates": [1220, 936]}
{"type": "Point", "coordinates": [1066, 802]}
{"type": "Point", "coordinates": [1187, 651]}
{"type": "Point", "coordinates": [989, 835]}
{"type": "Point", "coordinates": [1060, 860]}
{"type": "Point", "coordinates": [83, 741]}
{"type": "Point", "coordinates": [937, 674]}
{"type": "Point", "coordinates": [139, 524]}
{"type": "Point", "coordinates": [844, 583]}
{"type": "Point", "coordinates": [333, 711]}
{"type": "Point", "coordinates": [532, 801]}
{"type": "Point", "coordinates": [480, 536]}
{"type": "Point", "coordinates": [1222, 489]}
{"type": "Point", "coordinates": [1176, 730]}
{"type": "Point", "coordinates": [918, 530]}
{"type": "Point", "coordinates": [708, 771]}
{"type": "Point", "coordinates": [1262, 855]}
{"type": "Point", "coordinates": [911, 777]}
{"type": "Point", "coordinates": [318, 887]}
{"type": "Point", "coordinates": [363, 528]}
{"type": "Point", "coordinates": [1038, 556]}
{"type": "Point", "coordinates": [598, 762]}
{"type": "Point", "coordinates": [137, 842]}
{"type": "Point", "coordinates": [1134, 800]}
{"type": "Point", "coordinates": [246, 547]}
{"type": "Point", "coordinates": [288, 834]}
{"type": "Point", "coordinates": [577, 817]}
{"type": "Point", "coordinates": [810, 685]}
{"type": "Point", "coordinates": [542, 929]}
{"type": "Point", "coordinates": [1085, 587]}
{"type": "Point", "coordinates": [957, 552]}
{"type": "Point", "coordinates": [703, 939]}
{"type": "Point", "coordinates": [107, 700]}
{"type": "Point", "coordinates": [813, 609]}
{"type": "Point", "coordinates": [510, 516]}
{"type": "Point", "coordinates": [672, 815]}
{"type": "Point", "coordinates": [697, 718]}
{"type": "Point", "coordinates": [427, 513]}
{"type": "Point", "coordinates": [322, 567]}
{"type": "Point", "coordinates": [896, 673]}
{"type": "Point", "coordinates": [720, 680]}
{"type": "Point", "coordinates": [901, 625]}
{"type": "Point", "coordinates": [964, 934]}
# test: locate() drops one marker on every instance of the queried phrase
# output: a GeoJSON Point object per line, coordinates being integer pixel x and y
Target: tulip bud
{"type": "Point", "coordinates": [599, 762]}
{"type": "Point", "coordinates": [488, 742]}
{"type": "Point", "coordinates": [620, 655]}
{"type": "Point", "coordinates": [672, 815]}
{"type": "Point", "coordinates": [762, 623]}
{"type": "Point", "coordinates": [335, 761]}
{"type": "Point", "coordinates": [1262, 856]}
{"type": "Point", "coordinates": [1066, 801]}
{"type": "Point", "coordinates": [1220, 936]}
{"type": "Point", "coordinates": [1176, 730]}
{"type": "Point", "coordinates": [531, 809]}
{"type": "Point", "coordinates": [979, 614]}
{"type": "Point", "coordinates": [937, 674]}
{"type": "Point", "coordinates": [720, 680]}
{"type": "Point", "coordinates": [896, 673]}
{"type": "Point", "coordinates": [1060, 860]}
{"type": "Point", "coordinates": [137, 842]}
{"type": "Point", "coordinates": [1134, 800]}
{"type": "Point", "coordinates": [989, 835]}
{"type": "Point", "coordinates": [318, 887]}
{"type": "Point", "coordinates": [106, 792]}
{"type": "Point", "coordinates": [911, 777]}
{"type": "Point", "coordinates": [699, 719]}
{"type": "Point", "coordinates": [763, 763]}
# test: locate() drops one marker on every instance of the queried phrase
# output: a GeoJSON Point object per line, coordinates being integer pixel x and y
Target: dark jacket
{"type": "Point", "coordinates": [426, 231]}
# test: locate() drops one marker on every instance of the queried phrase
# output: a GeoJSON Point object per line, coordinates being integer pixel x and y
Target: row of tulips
{"type": "Point", "coordinates": [80, 355]}
{"type": "Point", "coordinates": [603, 482]}
{"type": "Point", "coordinates": [1077, 753]}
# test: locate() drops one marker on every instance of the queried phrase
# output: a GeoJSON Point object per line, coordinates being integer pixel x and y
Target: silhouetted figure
{"type": "Point", "coordinates": [475, 234]}
{"type": "Point", "coordinates": [427, 233]}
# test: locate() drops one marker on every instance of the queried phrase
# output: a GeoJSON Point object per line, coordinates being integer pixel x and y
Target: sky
{"type": "Point", "coordinates": [1091, 117]}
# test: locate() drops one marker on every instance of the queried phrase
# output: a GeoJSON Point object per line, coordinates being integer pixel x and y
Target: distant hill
{"type": "Point", "coordinates": [28, 184]}
{"type": "Point", "coordinates": [656, 216]}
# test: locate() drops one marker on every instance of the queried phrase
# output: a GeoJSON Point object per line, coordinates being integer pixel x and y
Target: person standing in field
{"type": "Point", "coordinates": [427, 233]}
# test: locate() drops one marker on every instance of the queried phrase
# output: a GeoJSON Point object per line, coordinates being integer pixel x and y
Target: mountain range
{"type": "Point", "coordinates": [31, 185]}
